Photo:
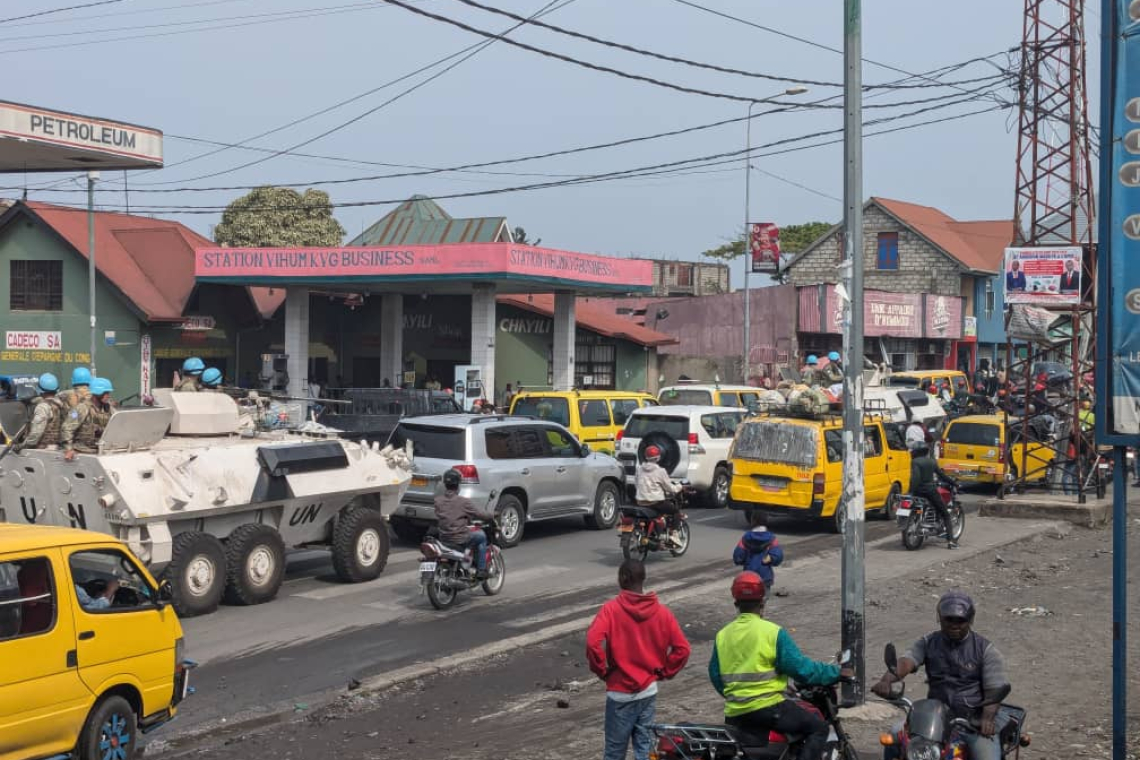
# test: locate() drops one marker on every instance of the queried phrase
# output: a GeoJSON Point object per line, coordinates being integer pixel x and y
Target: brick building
{"type": "Point", "coordinates": [923, 272]}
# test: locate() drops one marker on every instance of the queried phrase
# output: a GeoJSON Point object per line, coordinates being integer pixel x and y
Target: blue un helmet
{"type": "Point", "coordinates": [833, 356]}
{"type": "Point", "coordinates": [80, 376]}
{"type": "Point", "coordinates": [101, 385]}
{"type": "Point", "coordinates": [48, 383]}
{"type": "Point", "coordinates": [812, 360]}
{"type": "Point", "coordinates": [212, 377]}
{"type": "Point", "coordinates": [193, 366]}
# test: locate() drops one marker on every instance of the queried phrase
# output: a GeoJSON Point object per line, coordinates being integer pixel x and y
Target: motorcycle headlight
{"type": "Point", "coordinates": [923, 750]}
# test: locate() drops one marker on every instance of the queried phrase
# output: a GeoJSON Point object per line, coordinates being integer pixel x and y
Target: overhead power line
{"type": "Point", "coordinates": [58, 10]}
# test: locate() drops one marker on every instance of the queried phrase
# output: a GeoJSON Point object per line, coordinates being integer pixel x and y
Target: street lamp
{"type": "Point", "coordinates": [797, 90]}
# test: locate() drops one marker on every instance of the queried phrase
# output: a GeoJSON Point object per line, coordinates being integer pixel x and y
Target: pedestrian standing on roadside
{"type": "Point", "coordinates": [633, 643]}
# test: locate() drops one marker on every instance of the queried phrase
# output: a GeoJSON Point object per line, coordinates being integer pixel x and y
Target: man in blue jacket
{"type": "Point", "coordinates": [759, 551]}
{"type": "Point", "coordinates": [751, 663]}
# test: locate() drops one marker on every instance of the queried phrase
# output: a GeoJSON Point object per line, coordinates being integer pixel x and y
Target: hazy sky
{"type": "Point", "coordinates": [225, 70]}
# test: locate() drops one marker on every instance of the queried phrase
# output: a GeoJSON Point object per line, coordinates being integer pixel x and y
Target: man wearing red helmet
{"type": "Point", "coordinates": [751, 662]}
{"type": "Point", "coordinates": [655, 489]}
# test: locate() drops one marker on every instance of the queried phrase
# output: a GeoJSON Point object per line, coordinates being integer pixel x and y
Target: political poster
{"type": "Point", "coordinates": [1043, 275]}
{"type": "Point", "coordinates": [764, 245]}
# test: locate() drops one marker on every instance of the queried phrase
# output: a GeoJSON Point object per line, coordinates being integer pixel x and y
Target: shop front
{"type": "Point", "coordinates": [906, 330]}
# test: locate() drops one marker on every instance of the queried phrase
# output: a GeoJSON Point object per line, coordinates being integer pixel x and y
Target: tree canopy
{"type": "Point", "coordinates": [279, 216]}
{"type": "Point", "coordinates": [793, 239]}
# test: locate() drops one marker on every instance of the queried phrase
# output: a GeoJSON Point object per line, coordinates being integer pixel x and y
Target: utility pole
{"type": "Point", "coordinates": [92, 176]}
{"type": "Point", "coordinates": [747, 358]}
{"type": "Point", "coordinates": [853, 499]}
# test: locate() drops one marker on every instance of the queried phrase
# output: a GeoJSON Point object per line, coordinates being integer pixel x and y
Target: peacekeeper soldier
{"type": "Point", "coordinates": [211, 379]}
{"type": "Point", "coordinates": [85, 423]}
{"type": "Point", "coordinates": [192, 370]}
{"type": "Point", "coordinates": [80, 388]}
{"type": "Point", "coordinates": [47, 416]}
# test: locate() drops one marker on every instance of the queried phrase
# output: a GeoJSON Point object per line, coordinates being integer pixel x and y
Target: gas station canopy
{"type": "Point", "coordinates": [36, 139]}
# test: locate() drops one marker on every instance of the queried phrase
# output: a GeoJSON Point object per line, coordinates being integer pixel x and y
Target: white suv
{"type": "Point", "coordinates": [694, 443]}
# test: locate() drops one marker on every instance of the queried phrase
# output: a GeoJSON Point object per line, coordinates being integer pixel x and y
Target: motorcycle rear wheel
{"type": "Point", "coordinates": [912, 535]}
{"type": "Point", "coordinates": [498, 570]}
{"type": "Point", "coordinates": [441, 596]}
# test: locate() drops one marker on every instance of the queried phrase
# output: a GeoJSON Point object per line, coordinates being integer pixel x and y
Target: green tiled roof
{"type": "Point", "coordinates": [421, 221]}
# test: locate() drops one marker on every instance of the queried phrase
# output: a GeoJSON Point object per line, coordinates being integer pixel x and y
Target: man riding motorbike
{"type": "Point", "coordinates": [923, 469]}
{"type": "Point", "coordinates": [455, 513]}
{"type": "Point", "coordinates": [752, 659]}
{"type": "Point", "coordinates": [655, 490]}
{"type": "Point", "coordinates": [962, 670]}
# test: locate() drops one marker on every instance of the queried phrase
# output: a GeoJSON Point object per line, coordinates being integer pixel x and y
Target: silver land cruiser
{"type": "Point", "coordinates": [537, 471]}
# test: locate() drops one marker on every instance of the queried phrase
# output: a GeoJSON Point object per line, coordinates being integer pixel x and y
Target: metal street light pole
{"type": "Point", "coordinates": [92, 176]}
{"type": "Point", "coordinates": [853, 499]}
{"type": "Point", "coordinates": [747, 358]}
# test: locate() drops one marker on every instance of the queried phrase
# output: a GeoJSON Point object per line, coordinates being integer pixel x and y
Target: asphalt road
{"type": "Point", "coordinates": [319, 635]}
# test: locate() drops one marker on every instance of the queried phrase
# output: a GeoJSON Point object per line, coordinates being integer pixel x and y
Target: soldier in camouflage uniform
{"type": "Point", "coordinates": [192, 370]}
{"type": "Point", "coordinates": [85, 423]}
{"type": "Point", "coordinates": [80, 388]}
{"type": "Point", "coordinates": [47, 416]}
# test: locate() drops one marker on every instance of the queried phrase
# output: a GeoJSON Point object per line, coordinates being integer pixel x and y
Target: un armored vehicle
{"type": "Point", "coordinates": [211, 503]}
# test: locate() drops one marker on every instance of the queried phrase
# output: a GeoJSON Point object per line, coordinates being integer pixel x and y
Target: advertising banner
{"type": "Point", "coordinates": [146, 355]}
{"type": "Point", "coordinates": [1119, 266]}
{"type": "Point", "coordinates": [764, 246]}
{"type": "Point", "coordinates": [1043, 275]}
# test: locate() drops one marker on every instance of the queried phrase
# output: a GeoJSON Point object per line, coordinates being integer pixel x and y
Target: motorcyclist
{"type": "Point", "coordinates": [752, 660]}
{"type": "Point", "coordinates": [655, 490]}
{"type": "Point", "coordinates": [454, 514]}
{"type": "Point", "coordinates": [924, 471]}
{"type": "Point", "coordinates": [963, 669]}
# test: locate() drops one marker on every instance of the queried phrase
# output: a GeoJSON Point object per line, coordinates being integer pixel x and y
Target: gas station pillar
{"type": "Point", "coordinates": [297, 339]}
{"type": "Point", "coordinates": [392, 338]}
{"type": "Point", "coordinates": [483, 336]}
{"type": "Point", "coordinates": [565, 325]}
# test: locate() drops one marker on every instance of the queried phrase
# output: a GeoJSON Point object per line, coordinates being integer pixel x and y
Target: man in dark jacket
{"type": "Point", "coordinates": [633, 642]}
{"type": "Point", "coordinates": [454, 514]}
{"type": "Point", "coordinates": [963, 669]}
{"type": "Point", "coordinates": [758, 550]}
{"type": "Point", "coordinates": [923, 469]}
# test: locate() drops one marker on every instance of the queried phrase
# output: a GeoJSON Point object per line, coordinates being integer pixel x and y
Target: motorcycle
{"type": "Point", "coordinates": [695, 741]}
{"type": "Point", "coordinates": [641, 530]}
{"type": "Point", "coordinates": [930, 733]}
{"type": "Point", "coordinates": [445, 570]}
{"type": "Point", "coordinates": [919, 520]}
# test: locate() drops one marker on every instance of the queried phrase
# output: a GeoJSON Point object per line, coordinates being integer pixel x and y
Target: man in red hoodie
{"type": "Point", "coordinates": [633, 642]}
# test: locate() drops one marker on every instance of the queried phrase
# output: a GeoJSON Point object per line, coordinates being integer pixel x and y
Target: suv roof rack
{"type": "Point", "coordinates": [479, 419]}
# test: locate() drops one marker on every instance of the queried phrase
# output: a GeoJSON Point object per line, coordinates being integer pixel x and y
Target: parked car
{"type": "Point", "coordinates": [594, 417]}
{"type": "Point", "coordinates": [91, 646]}
{"type": "Point", "coordinates": [1056, 373]}
{"type": "Point", "coordinates": [694, 443]}
{"type": "Point", "coordinates": [793, 465]}
{"type": "Point", "coordinates": [536, 469]}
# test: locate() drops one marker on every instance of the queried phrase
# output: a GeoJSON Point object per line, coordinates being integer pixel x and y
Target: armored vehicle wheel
{"type": "Point", "coordinates": [359, 544]}
{"type": "Point", "coordinates": [197, 573]}
{"type": "Point", "coordinates": [255, 559]}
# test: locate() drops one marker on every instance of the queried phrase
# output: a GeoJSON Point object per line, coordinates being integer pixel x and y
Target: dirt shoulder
{"type": "Point", "coordinates": [1045, 601]}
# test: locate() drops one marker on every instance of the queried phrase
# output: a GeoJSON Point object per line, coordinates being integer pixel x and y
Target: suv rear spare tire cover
{"type": "Point", "coordinates": [670, 450]}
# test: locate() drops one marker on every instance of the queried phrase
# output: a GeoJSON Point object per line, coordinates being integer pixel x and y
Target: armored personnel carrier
{"type": "Point", "coordinates": [211, 504]}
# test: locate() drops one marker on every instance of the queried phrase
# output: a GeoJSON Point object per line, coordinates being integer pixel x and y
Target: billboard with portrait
{"type": "Point", "coordinates": [1043, 275]}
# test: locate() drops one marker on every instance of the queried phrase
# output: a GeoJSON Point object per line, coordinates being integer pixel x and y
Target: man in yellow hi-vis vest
{"type": "Point", "coordinates": [752, 660]}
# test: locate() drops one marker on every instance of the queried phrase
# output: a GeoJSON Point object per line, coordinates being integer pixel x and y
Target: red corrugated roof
{"type": "Point", "coordinates": [978, 246]}
{"type": "Point", "coordinates": [593, 318]}
{"type": "Point", "coordinates": [150, 261]}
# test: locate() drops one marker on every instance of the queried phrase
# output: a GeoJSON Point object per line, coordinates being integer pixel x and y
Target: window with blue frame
{"type": "Point", "coordinates": [888, 257]}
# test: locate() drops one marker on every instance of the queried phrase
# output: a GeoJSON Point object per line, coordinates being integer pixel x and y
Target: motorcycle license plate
{"type": "Point", "coordinates": [427, 567]}
{"type": "Point", "coordinates": [625, 529]}
{"type": "Point", "coordinates": [903, 512]}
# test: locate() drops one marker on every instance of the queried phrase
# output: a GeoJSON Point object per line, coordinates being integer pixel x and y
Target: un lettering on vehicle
{"type": "Point", "coordinates": [303, 515]}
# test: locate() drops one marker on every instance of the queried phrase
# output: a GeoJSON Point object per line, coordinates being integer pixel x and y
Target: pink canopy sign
{"type": "Point", "coordinates": [485, 261]}
{"type": "Point", "coordinates": [897, 315]}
